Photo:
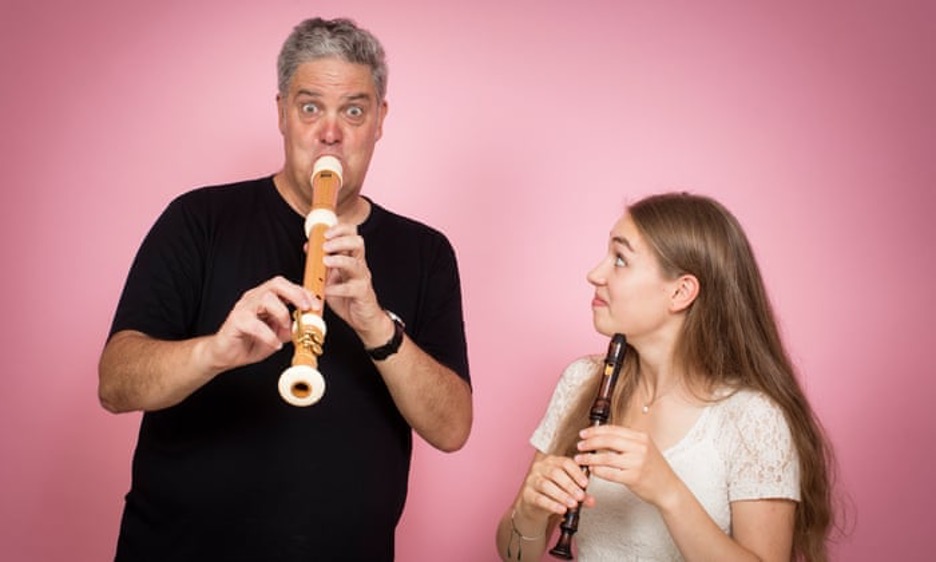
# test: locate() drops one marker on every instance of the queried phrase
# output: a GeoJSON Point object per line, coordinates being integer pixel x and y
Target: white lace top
{"type": "Point", "coordinates": [739, 449]}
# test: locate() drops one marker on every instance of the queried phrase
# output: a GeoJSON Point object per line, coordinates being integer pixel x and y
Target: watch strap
{"type": "Point", "coordinates": [392, 346]}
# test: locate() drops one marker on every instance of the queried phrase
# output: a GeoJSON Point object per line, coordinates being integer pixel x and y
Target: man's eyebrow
{"type": "Point", "coordinates": [622, 241]}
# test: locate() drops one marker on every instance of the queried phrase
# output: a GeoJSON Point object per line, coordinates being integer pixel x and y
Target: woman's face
{"type": "Point", "coordinates": [632, 297]}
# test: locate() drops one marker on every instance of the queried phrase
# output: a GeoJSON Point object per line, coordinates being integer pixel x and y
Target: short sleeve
{"type": "Point", "coordinates": [761, 455]}
{"type": "Point", "coordinates": [162, 290]}
{"type": "Point", "coordinates": [563, 398]}
{"type": "Point", "coordinates": [442, 330]}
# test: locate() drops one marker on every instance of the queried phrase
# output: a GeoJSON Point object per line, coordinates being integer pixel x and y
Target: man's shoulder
{"type": "Point", "coordinates": [224, 201]}
{"type": "Point", "coordinates": [382, 218]}
{"type": "Point", "coordinates": [244, 189]}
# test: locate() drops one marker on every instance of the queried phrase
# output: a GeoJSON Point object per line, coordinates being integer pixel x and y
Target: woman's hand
{"type": "Point", "coordinates": [628, 457]}
{"type": "Point", "coordinates": [552, 486]}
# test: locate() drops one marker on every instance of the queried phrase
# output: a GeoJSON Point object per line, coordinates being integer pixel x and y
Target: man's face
{"type": "Point", "coordinates": [331, 108]}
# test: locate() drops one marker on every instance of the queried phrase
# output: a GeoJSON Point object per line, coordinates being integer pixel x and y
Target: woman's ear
{"type": "Point", "coordinates": [686, 289]}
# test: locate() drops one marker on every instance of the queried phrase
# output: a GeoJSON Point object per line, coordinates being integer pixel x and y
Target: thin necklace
{"type": "Point", "coordinates": [646, 405]}
{"type": "Point", "coordinates": [645, 409]}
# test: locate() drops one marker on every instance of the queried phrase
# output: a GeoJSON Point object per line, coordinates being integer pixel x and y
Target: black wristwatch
{"type": "Point", "coordinates": [392, 346]}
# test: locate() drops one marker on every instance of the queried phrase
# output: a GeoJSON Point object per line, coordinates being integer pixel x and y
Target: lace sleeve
{"type": "Point", "coordinates": [761, 455]}
{"type": "Point", "coordinates": [567, 390]}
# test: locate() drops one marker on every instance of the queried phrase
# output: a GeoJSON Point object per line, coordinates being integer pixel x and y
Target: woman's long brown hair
{"type": "Point", "coordinates": [729, 339]}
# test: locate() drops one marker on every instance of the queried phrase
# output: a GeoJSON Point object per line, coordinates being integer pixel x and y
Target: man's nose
{"type": "Point", "coordinates": [331, 132]}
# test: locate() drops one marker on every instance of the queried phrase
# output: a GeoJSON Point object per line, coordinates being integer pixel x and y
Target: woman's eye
{"type": "Point", "coordinates": [619, 261]}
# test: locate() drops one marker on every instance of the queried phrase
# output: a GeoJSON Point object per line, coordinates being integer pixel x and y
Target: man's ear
{"type": "Point", "coordinates": [685, 291]}
{"type": "Point", "coordinates": [281, 112]}
{"type": "Point", "coordinates": [382, 108]}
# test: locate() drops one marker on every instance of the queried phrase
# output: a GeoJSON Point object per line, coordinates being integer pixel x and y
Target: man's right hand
{"type": "Point", "coordinates": [138, 372]}
{"type": "Point", "coordinates": [259, 324]}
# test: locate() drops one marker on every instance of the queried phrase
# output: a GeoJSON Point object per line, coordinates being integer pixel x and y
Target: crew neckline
{"type": "Point", "coordinates": [285, 209]}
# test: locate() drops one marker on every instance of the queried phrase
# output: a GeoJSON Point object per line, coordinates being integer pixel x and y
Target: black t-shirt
{"type": "Point", "coordinates": [235, 473]}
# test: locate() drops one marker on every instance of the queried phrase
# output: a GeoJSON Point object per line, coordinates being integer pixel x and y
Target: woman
{"type": "Point", "coordinates": [712, 451]}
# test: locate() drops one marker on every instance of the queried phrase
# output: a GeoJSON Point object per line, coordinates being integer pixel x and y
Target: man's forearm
{"type": "Point", "coordinates": [137, 372]}
{"type": "Point", "coordinates": [434, 400]}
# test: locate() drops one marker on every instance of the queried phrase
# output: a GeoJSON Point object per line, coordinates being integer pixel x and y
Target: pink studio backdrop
{"type": "Point", "coordinates": [520, 129]}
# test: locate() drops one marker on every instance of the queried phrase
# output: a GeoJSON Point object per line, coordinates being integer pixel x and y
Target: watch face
{"type": "Point", "coordinates": [396, 318]}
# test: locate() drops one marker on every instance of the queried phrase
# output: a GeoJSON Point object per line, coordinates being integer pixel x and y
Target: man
{"type": "Point", "coordinates": [224, 469]}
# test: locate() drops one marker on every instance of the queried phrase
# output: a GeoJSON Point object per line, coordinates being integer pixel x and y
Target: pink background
{"type": "Point", "coordinates": [520, 129]}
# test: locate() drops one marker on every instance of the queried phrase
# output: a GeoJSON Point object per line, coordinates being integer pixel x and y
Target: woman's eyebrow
{"type": "Point", "coordinates": [622, 241]}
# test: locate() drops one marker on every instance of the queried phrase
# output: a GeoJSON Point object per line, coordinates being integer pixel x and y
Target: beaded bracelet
{"type": "Point", "coordinates": [515, 532]}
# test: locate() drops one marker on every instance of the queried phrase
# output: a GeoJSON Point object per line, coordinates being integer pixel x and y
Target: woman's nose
{"type": "Point", "coordinates": [596, 275]}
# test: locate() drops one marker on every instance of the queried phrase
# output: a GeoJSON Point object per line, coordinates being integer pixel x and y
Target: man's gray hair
{"type": "Point", "coordinates": [317, 38]}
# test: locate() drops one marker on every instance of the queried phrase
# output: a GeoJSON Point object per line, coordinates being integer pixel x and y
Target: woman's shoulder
{"type": "Point", "coordinates": [749, 414]}
{"type": "Point", "coordinates": [738, 401]}
{"type": "Point", "coordinates": [572, 378]}
{"type": "Point", "coordinates": [582, 367]}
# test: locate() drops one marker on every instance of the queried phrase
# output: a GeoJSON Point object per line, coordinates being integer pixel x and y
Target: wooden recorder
{"type": "Point", "coordinates": [598, 415]}
{"type": "Point", "coordinates": [302, 384]}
